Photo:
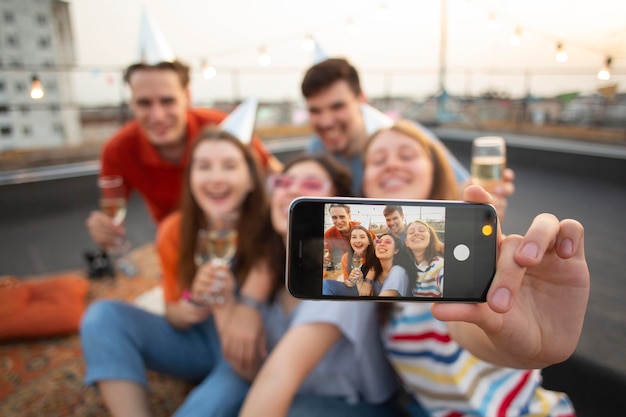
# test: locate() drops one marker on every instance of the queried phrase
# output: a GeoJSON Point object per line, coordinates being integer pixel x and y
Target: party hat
{"type": "Point", "coordinates": [240, 122]}
{"type": "Point", "coordinates": [319, 54]}
{"type": "Point", "coordinates": [153, 48]}
{"type": "Point", "coordinates": [374, 119]}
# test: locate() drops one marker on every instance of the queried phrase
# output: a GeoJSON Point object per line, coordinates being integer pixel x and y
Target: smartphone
{"type": "Point", "coordinates": [421, 250]}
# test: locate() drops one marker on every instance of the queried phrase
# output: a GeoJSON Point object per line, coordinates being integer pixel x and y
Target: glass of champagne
{"type": "Point", "coordinates": [113, 204]}
{"type": "Point", "coordinates": [488, 161]}
{"type": "Point", "coordinates": [357, 261]}
{"type": "Point", "coordinates": [217, 244]}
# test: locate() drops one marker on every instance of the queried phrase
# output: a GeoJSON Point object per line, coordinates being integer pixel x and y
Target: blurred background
{"type": "Point", "coordinates": [549, 76]}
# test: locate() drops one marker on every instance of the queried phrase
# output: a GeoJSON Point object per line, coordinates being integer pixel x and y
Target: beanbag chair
{"type": "Point", "coordinates": [41, 307]}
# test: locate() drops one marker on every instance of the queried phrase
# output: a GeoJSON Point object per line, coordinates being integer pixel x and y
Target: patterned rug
{"type": "Point", "coordinates": [44, 377]}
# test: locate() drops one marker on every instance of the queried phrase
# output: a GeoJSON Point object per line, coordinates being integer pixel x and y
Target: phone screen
{"type": "Point", "coordinates": [348, 248]}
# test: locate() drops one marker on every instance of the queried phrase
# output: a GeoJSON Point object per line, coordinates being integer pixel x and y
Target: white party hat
{"type": "Point", "coordinates": [240, 122]}
{"type": "Point", "coordinates": [374, 119]}
{"type": "Point", "coordinates": [153, 48]}
{"type": "Point", "coordinates": [319, 54]}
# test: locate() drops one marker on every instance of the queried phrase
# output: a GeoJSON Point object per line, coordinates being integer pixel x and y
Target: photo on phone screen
{"type": "Point", "coordinates": [347, 248]}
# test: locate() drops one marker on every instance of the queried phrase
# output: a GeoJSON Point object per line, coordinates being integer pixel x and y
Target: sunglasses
{"type": "Point", "coordinates": [387, 241]}
{"type": "Point", "coordinates": [304, 185]}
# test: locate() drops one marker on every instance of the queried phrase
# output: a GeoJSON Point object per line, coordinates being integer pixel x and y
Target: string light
{"type": "Point", "coordinates": [605, 72]}
{"type": "Point", "coordinates": [264, 57]}
{"type": "Point", "coordinates": [352, 27]}
{"type": "Point", "coordinates": [36, 89]}
{"type": "Point", "coordinates": [492, 23]}
{"type": "Point", "coordinates": [385, 11]}
{"type": "Point", "coordinates": [208, 71]}
{"type": "Point", "coordinates": [516, 37]}
{"type": "Point", "coordinates": [308, 44]}
{"type": "Point", "coordinates": [561, 55]}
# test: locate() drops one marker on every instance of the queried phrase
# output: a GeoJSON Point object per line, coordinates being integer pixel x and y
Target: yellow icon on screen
{"type": "Point", "coordinates": [487, 230]}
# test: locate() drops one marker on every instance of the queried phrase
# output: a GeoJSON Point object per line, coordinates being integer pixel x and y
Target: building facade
{"type": "Point", "coordinates": [36, 41]}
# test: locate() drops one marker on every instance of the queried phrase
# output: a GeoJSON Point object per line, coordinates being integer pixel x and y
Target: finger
{"type": "Point", "coordinates": [540, 237]}
{"type": "Point", "coordinates": [570, 240]}
{"type": "Point", "coordinates": [477, 194]}
{"type": "Point", "coordinates": [508, 278]}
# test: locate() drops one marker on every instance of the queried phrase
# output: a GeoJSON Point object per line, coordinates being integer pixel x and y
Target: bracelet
{"type": "Point", "coordinates": [368, 281]}
{"type": "Point", "coordinates": [250, 302]}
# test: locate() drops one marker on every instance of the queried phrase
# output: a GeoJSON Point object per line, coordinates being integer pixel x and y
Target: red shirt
{"type": "Point", "coordinates": [129, 154]}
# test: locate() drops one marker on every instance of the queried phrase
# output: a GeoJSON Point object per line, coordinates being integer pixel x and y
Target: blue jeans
{"type": "Point", "coordinates": [121, 341]}
{"type": "Point", "coordinates": [332, 287]}
{"type": "Point", "coordinates": [312, 405]}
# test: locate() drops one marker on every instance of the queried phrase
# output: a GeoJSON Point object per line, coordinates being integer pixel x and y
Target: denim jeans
{"type": "Point", "coordinates": [121, 341]}
{"type": "Point", "coordinates": [332, 287]}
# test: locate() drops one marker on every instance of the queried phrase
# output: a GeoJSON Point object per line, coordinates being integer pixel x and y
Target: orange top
{"type": "Point", "coordinates": [129, 154]}
{"type": "Point", "coordinates": [168, 246]}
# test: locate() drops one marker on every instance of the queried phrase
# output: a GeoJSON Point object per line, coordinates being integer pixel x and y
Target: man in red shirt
{"type": "Point", "coordinates": [152, 151]}
{"type": "Point", "coordinates": [337, 236]}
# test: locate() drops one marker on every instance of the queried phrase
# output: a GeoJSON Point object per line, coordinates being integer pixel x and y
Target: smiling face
{"type": "Point", "coordinates": [283, 196]}
{"type": "Point", "coordinates": [397, 166]}
{"type": "Point", "coordinates": [341, 219]}
{"type": "Point", "coordinates": [395, 222]}
{"type": "Point", "coordinates": [220, 177]}
{"type": "Point", "coordinates": [385, 247]}
{"type": "Point", "coordinates": [335, 115]}
{"type": "Point", "coordinates": [359, 241]}
{"type": "Point", "coordinates": [159, 103]}
{"type": "Point", "coordinates": [417, 237]}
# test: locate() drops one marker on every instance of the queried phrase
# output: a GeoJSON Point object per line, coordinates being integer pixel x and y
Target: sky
{"type": "Point", "coordinates": [397, 48]}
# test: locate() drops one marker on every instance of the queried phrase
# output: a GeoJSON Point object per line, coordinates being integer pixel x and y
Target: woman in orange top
{"type": "Point", "coordinates": [194, 338]}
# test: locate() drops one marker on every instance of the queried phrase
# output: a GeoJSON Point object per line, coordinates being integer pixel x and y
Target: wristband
{"type": "Point", "coordinates": [368, 281]}
{"type": "Point", "coordinates": [250, 302]}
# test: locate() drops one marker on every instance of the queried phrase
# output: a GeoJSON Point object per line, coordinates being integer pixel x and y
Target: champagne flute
{"type": "Point", "coordinates": [488, 161]}
{"type": "Point", "coordinates": [113, 204]}
{"type": "Point", "coordinates": [217, 244]}
{"type": "Point", "coordinates": [357, 261]}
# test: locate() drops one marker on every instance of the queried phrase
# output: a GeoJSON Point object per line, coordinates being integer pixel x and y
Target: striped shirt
{"type": "Point", "coordinates": [429, 281]}
{"type": "Point", "coordinates": [448, 381]}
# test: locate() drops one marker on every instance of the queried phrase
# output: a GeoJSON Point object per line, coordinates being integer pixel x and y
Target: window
{"type": "Point", "coordinates": [19, 86]}
{"type": "Point", "coordinates": [27, 130]}
{"type": "Point", "coordinates": [44, 43]}
{"type": "Point", "coordinates": [4, 109]}
{"type": "Point", "coordinates": [6, 131]}
{"type": "Point", "coordinates": [13, 40]}
{"type": "Point", "coordinates": [24, 109]}
{"type": "Point", "coordinates": [1, 85]}
{"type": "Point", "coordinates": [9, 17]}
{"type": "Point", "coordinates": [41, 19]}
{"type": "Point", "coordinates": [58, 128]}
{"type": "Point", "coordinates": [55, 108]}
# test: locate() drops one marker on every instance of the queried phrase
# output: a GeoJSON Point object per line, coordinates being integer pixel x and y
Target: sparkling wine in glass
{"type": "Point", "coordinates": [357, 261]}
{"type": "Point", "coordinates": [113, 204]}
{"type": "Point", "coordinates": [217, 244]}
{"type": "Point", "coordinates": [488, 161]}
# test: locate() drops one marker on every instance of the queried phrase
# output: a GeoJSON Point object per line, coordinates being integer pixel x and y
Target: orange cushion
{"type": "Point", "coordinates": [41, 307]}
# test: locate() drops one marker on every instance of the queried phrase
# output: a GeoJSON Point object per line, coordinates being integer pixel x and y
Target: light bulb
{"type": "Point", "coordinates": [516, 37]}
{"type": "Point", "coordinates": [36, 89]}
{"type": "Point", "coordinates": [605, 72]}
{"type": "Point", "coordinates": [308, 44]}
{"type": "Point", "coordinates": [264, 57]}
{"type": "Point", "coordinates": [561, 55]}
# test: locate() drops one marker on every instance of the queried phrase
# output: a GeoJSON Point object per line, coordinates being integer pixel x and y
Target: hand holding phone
{"type": "Point", "coordinates": [406, 261]}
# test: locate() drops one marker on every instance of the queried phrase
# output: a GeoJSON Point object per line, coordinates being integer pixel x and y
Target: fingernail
{"type": "Point", "coordinates": [501, 298]}
{"type": "Point", "coordinates": [530, 250]}
{"type": "Point", "coordinates": [498, 189]}
{"type": "Point", "coordinates": [567, 247]}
